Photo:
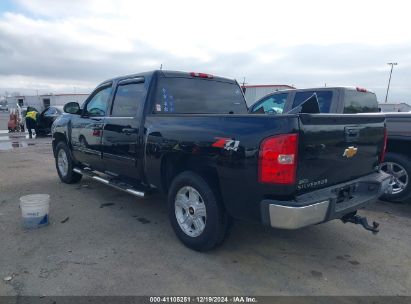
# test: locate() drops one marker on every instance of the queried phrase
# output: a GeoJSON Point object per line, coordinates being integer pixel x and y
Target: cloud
{"type": "Point", "coordinates": [58, 45]}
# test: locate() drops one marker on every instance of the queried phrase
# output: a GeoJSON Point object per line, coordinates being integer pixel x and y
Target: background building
{"type": "Point", "coordinates": [395, 107]}
{"type": "Point", "coordinates": [255, 92]}
{"type": "Point", "coordinates": [42, 102]}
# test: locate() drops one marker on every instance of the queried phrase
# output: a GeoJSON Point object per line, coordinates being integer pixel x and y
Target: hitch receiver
{"type": "Point", "coordinates": [360, 220]}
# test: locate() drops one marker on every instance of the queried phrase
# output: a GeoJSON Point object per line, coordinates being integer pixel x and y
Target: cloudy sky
{"type": "Point", "coordinates": [62, 46]}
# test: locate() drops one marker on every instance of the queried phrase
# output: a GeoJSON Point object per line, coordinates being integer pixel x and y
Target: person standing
{"type": "Point", "coordinates": [31, 120]}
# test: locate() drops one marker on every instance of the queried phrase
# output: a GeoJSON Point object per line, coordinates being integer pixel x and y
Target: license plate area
{"type": "Point", "coordinates": [346, 196]}
{"type": "Point", "coordinates": [346, 193]}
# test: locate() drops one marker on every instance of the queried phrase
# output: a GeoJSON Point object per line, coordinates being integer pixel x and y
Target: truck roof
{"type": "Point", "coordinates": [164, 73]}
{"type": "Point", "coordinates": [324, 88]}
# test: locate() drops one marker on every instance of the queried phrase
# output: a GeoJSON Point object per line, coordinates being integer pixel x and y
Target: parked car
{"type": "Point", "coordinates": [356, 100]}
{"type": "Point", "coordinates": [46, 119]}
{"type": "Point", "coordinates": [189, 136]}
{"type": "Point", "coordinates": [4, 107]}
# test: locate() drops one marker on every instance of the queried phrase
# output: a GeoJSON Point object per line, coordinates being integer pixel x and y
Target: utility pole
{"type": "Point", "coordinates": [389, 80]}
{"type": "Point", "coordinates": [244, 83]}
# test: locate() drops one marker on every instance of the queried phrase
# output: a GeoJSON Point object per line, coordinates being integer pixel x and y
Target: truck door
{"type": "Point", "coordinates": [87, 129]}
{"type": "Point", "coordinates": [121, 142]}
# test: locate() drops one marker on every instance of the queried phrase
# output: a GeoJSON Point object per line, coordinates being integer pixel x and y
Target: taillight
{"type": "Point", "coordinates": [384, 147]}
{"type": "Point", "coordinates": [278, 159]}
{"type": "Point", "coordinates": [201, 75]}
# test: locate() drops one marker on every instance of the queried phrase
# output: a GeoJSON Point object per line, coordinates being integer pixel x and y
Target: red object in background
{"type": "Point", "coordinates": [12, 124]}
{"type": "Point", "coordinates": [96, 132]}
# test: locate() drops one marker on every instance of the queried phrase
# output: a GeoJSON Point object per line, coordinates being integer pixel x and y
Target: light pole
{"type": "Point", "coordinates": [389, 80]}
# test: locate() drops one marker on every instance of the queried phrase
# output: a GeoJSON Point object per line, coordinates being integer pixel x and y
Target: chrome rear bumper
{"type": "Point", "coordinates": [324, 204]}
{"type": "Point", "coordinates": [296, 217]}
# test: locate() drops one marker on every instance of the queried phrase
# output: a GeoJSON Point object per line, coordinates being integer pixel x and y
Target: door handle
{"type": "Point", "coordinates": [352, 133]}
{"type": "Point", "coordinates": [128, 130]}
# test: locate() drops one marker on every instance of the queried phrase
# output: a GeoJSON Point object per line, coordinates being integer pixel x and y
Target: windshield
{"type": "Point", "coordinates": [196, 95]}
{"type": "Point", "coordinates": [273, 104]}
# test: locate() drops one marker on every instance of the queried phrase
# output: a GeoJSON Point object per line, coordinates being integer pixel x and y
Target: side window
{"type": "Point", "coordinates": [97, 106]}
{"type": "Point", "coordinates": [360, 102]}
{"type": "Point", "coordinates": [273, 104]}
{"type": "Point", "coordinates": [128, 100]}
{"type": "Point", "coordinates": [49, 111]}
{"type": "Point", "coordinates": [324, 99]}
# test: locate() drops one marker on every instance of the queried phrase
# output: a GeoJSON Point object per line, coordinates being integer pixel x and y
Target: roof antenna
{"type": "Point", "coordinates": [161, 66]}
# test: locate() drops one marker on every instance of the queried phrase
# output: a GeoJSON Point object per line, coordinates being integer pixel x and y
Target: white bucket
{"type": "Point", "coordinates": [35, 210]}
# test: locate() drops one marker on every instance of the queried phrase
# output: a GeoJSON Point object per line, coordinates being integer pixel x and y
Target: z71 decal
{"type": "Point", "coordinates": [227, 144]}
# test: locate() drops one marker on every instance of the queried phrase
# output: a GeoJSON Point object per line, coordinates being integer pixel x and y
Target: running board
{"type": "Point", "coordinates": [112, 182]}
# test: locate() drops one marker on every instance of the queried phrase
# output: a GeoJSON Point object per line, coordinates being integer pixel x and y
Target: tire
{"type": "Point", "coordinates": [83, 142]}
{"type": "Point", "coordinates": [399, 166]}
{"type": "Point", "coordinates": [65, 168]}
{"type": "Point", "coordinates": [190, 192]}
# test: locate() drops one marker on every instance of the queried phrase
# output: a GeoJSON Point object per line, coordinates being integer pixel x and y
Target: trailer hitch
{"type": "Point", "coordinates": [360, 220]}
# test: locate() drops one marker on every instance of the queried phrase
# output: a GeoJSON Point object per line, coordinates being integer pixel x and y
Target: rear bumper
{"type": "Point", "coordinates": [325, 204]}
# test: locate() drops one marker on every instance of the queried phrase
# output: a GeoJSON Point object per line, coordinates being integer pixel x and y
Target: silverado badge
{"type": "Point", "coordinates": [350, 152]}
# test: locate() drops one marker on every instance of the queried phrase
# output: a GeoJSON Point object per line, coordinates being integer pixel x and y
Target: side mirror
{"type": "Point", "coordinates": [72, 108]}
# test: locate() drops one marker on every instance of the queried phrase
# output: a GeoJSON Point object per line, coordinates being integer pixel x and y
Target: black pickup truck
{"type": "Point", "coordinates": [356, 100]}
{"type": "Point", "coordinates": [190, 136]}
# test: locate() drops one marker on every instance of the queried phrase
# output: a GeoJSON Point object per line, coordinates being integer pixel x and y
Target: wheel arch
{"type": "Point", "coordinates": [399, 146]}
{"type": "Point", "coordinates": [58, 137]}
{"type": "Point", "coordinates": [172, 165]}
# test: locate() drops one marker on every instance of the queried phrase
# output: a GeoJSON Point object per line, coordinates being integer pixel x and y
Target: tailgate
{"type": "Point", "coordinates": [337, 148]}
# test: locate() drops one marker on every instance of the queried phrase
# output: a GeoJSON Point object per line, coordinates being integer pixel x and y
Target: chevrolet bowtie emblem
{"type": "Point", "coordinates": [350, 152]}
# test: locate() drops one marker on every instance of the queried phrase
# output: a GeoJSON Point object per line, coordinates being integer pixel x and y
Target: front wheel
{"type": "Point", "coordinates": [399, 167]}
{"type": "Point", "coordinates": [196, 215]}
{"type": "Point", "coordinates": [65, 164]}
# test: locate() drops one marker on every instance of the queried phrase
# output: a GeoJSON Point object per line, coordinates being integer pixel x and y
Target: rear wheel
{"type": "Point", "coordinates": [399, 167]}
{"type": "Point", "coordinates": [65, 164]}
{"type": "Point", "coordinates": [196, 215]}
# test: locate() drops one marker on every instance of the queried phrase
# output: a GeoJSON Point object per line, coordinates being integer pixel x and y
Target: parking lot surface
{"type": "Point", "coordinates": [104, 242]}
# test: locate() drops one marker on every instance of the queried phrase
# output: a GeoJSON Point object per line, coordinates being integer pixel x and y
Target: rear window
{"type": "Point", "coordinates": [195, 95]}
{"type": "Point", "coordinates": [360, 102]}
{"type": "Point", "coordinates": [324, 99]}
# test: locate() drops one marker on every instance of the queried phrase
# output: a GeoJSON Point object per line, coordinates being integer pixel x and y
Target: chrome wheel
{"type": "Point", "coordinates": [62, 162]}
{"type": "Point", "coordinates": [399, 174]}
{"type": "Point", "coordinates": [190, 211]}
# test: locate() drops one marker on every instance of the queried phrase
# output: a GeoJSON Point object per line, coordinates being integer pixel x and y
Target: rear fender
{"type": "Point", "coordinates": [172, 165]}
